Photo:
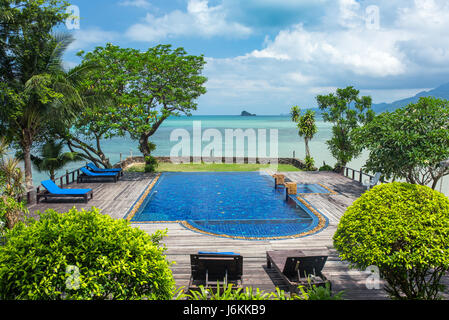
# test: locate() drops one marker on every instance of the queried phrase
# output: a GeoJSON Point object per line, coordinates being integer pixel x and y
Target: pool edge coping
{"type": "Point", "coordinates": [320, 221]}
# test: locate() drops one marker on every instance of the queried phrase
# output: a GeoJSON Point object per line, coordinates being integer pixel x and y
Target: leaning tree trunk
{"type": "Point", "coordinates": [144, 147]}
{"type": "Point", "coordinates": [306, 141]}
{"type": "Point", "coordinates": [88, 152]}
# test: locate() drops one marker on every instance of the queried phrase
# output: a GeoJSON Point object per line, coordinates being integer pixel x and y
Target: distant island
{"type": "Point", "coordinates": [247, 114]}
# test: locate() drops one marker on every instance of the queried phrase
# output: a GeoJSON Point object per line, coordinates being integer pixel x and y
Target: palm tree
{"type": "Point", "coordinates": [52, 158]}
{"type": "Point", "coordinates": [306, 125]}
{"type": "Point", "coordinates": [44, 92]}
{"type": "Point", "coordinates": [307, 128]}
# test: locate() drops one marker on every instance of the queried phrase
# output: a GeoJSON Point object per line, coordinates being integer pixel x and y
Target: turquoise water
{"type": "Point", "coordinates": [289, 141]}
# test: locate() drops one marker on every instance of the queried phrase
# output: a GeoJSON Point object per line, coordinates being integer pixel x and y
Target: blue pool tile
{"type": "Point", "coordinates": [243, 204]}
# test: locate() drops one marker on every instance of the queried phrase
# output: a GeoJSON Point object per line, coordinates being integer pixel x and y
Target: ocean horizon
{"type": "Point", "coordinates": [289, 142]}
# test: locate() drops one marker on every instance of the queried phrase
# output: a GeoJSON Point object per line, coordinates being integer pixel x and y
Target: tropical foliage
{"type": "Point", "coordinates": [402, 229]}
{"type": "Point", "coordinates": [147, 87]}
{"type": "Point", "coordinates": [52, 158]}
{"type": "Point", "coordinates": [11, 189]}
{"type": "Point", "coordinates": [34, 87]}
{"type": "Point", "coordinates": [83, 255]}
{"type": "Point", "coordinates": [307, 129]}
{"type": "Point", "coordinates": [347, 111]}
{"type": "Point", "coordinates": [229, 292]}
{"type": "Point", "coordinates": [409, 143]}
{"type": "Point", "coordinates": [11, 211]}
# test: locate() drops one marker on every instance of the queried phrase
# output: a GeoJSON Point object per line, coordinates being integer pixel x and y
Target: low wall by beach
{"type": "Point", "coordinates": [138, 160]}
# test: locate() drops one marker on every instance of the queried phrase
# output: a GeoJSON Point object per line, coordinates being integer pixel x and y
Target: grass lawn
{"type": "Point", "coordinates": [213, 167]}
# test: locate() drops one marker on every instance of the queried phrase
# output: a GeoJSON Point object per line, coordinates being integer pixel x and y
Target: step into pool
{"type": "Point", "coordinates": [241, 205]}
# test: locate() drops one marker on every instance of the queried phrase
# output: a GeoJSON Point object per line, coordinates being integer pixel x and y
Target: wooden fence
{"type": "Point", "coordinates": [357, 175]}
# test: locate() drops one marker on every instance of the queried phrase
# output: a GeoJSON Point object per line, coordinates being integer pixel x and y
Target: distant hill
{"type": "Point", "coordinates": [247, 114]}
{"type": "Point", "coordinates": [439, 92]}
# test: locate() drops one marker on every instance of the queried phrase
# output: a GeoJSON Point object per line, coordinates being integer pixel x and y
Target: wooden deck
{"type": "Point", "coordinates": [116, 199]}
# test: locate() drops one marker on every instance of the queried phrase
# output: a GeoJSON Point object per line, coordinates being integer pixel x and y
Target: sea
{"type": "Point", "coordinates": [176, 132]}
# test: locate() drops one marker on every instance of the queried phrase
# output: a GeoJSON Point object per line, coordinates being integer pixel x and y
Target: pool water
{"type": "Point", "coordinates": [311, 188]}
{"type": "Point", "coordinates": [233, 204]}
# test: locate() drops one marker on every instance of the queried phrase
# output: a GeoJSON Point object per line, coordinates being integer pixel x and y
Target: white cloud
{"type": "Point", "coordinates": [362, 51]}
{"type": "Point", "coordinates": [200, 19]}
{"type": "Point", "coordinates": [395, 61]}
{"type": "Point", "coordinates": [416, 39]}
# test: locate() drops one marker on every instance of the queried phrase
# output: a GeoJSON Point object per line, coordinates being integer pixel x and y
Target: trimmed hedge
{"type": "Point", "coordinates": [403, 229]}
{"type": "Point", "coordinates": [83, 255]}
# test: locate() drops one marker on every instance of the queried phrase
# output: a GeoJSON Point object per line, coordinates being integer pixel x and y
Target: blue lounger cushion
{"type": "Point", "coordinates": [220, 253]}
{"type": "Point", "coordinates": [94, 174]}
{"type": "Point", "coordinates": [54, 189]}
{"type": "Point", "coordinates": [93, 167]}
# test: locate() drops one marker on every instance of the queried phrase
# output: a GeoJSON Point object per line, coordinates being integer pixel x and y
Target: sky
{"type": "Point", "coordinates": [265, 56]}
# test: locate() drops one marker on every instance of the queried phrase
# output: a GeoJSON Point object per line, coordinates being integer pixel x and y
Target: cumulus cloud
{"type": "Point", "coordinates": [200, 20]}
{"type": "Point", "coordinates": [418, 37]}
{"type": "Point", "coordinates": [406, 54]}
{"type": "Point", "coordinates": [362, 51]}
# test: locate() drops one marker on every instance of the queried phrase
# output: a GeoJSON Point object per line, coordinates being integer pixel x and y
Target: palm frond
{"type": "Point", "coordinates": [61, 42]}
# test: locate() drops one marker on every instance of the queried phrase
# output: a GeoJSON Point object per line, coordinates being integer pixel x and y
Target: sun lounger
{"type": "Point", "coordinates": [92, 167]}
{"type": "Point", "coordinates": [52, 190]}
{"type": "Point", "coordinates": [88, 175]}
{"type": "Point", "coordinates": [212, 268]}
{"type": "Point", "coordinates": [299, 268]}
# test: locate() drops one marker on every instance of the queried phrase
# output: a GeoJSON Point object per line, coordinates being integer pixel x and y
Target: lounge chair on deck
{"type": "Point", "coordinates": [297, 267]}
{"type": "Point", "coordinates": [373, 181]}
{"type": "Point", "coordinates": [52, 190]}
{"type": "Point", "coordinates": [88, 175]}
{"type": "Point", "coordinates": [92, 167]}
{"type": "Point", "coordinates": [212, 268]}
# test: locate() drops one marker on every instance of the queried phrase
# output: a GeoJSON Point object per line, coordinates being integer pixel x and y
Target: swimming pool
{"type": "Point", "coordinates": [243, 205]}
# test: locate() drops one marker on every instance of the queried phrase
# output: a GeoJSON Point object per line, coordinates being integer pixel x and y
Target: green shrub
{"type": "Point", "coordinates": [11, 211]}
{"type": "Point", "coordinates": [83, 255]}
{"type": "Point", "coordinates": [321, 293]}
{"type": "Point", "coordinates": [403, 229]}
{"type": "Point", "coordinates": [229, 292]}
{"type": "Point", "coordinates": [150, 164]}
{"type": "Point", "coordinates": [326, 167]}
{"type": "Point", "coordinates": [310, 163]}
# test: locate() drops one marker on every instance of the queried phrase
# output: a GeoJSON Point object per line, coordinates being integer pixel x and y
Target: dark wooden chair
{"type": "Point", "coordinates": [297, 267]}
{"type": "Point", "coordinates": [210, 269]}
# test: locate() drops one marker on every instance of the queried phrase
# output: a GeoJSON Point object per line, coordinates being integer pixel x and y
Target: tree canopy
{"type": "Point", "coordinates": [347, 111]}
{"type": "Point", "coordinates": [408, 143]}
{"type": "Point", "coordinates": [147, 87]}
{"type": "Point", "coordinates": [33, 82]}
{"type": "Point", "coordinates": [402, 229]}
